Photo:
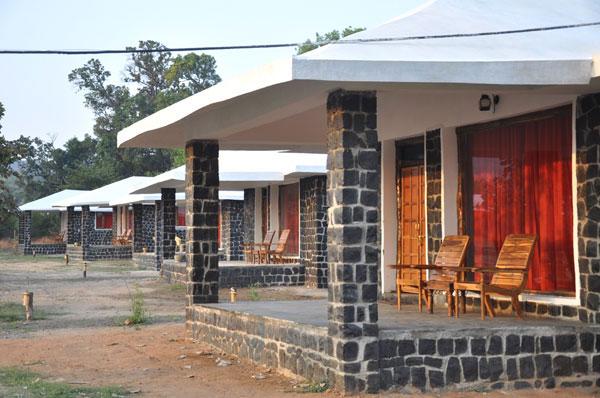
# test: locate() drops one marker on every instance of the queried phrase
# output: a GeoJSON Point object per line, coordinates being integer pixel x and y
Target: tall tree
{"type": "Point", "coordinates": [157, 80]}
{"type": "Point", "coordinates": [321, 40]}
{"type": "Point", "coordinates": [11, 152]}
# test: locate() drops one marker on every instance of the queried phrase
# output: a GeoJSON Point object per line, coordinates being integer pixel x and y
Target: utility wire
{"type": "Point", "coordinates": [281, 45]}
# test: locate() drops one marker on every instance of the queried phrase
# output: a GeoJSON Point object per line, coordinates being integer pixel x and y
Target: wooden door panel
{"type": "Point", "coordinates": [412, 215]}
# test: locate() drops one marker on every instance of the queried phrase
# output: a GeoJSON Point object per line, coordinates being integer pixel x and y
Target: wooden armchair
{"type": "Point", "coordinates": [276, 256]}
{"type": "Point", "coordinates": [252, 250]}
{"type": "Point", "coordinates": [442, 276]}
{"type": "Point", "coordinates": [124, 239]}
{"type": "Point", "coordinates": [410, 278]}
{"type": "Point", "coordinates": [509, 276]}
{"type": "Point", "coordinates": [59, 237]}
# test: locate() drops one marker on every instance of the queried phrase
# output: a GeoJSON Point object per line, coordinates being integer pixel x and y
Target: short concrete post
{"type": "Point", "coordinates": [353, 175]}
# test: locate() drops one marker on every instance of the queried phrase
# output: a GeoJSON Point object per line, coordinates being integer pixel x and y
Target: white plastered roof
{"type": "Point", "coordinates": [281, 105]}
{"type": "Point", "coordinates": [46, 203]}
{"type": "Point", "coordinates": [149, 199]}
{"type": "Point", "coordinates": [104, 195]}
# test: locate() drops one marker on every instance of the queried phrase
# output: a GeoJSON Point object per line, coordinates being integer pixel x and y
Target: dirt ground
{"type": "Point", "coordinates": [81, 339]}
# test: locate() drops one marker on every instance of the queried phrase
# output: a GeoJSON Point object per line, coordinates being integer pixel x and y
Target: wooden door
{"type": "Point", "coordinates": [411, 225]}
{"type": "Point", "coordinates": [289, 216]}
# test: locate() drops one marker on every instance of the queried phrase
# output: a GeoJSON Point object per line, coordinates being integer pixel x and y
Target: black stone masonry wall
{"type": "Point", "coordinates": [353, 178]}
{"type": "Point", "coordinates": [313, 230]}
{"type": "Point", "coordinates": [232, 227]}
{"type": "Point", "coordinates": [433, 165]}
{"type": "Point", "coordinates": [588, 204]}
{"type": "Point", "coordinates": [249, 209]}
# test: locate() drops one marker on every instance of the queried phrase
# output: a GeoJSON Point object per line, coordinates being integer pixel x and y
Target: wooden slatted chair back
{"type": "Point", "coordinates": [516, 252]}
{"type": "Point", "coordinates": [269, 237]}
{"type": "Point", "coordinates": [282, 242]}
{"type": "Point", "coordinates": [451, 254]}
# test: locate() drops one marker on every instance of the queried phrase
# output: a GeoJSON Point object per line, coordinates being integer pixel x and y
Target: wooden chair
{"type": "Point", "coordinates": [124, 239]}
{"type": "Point", "coordinates": [442, 277]}
{"type": "Point", "coordinates": [60, 237]}
{"type": "Point", "coordinates": [276, 256]}
{"type": "Point", "coordinates": [252, 250]}
{"type": "Point", "coordinates": [509, 276]}
{"type": "Point", "coordinates": [410, 278]}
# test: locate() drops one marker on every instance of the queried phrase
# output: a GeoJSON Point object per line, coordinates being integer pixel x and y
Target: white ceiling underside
{"type": "Point", "coordinates": [282, 105]}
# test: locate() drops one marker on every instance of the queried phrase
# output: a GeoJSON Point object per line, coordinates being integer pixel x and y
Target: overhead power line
{"type": "Point", "coordinates": [282, 45]}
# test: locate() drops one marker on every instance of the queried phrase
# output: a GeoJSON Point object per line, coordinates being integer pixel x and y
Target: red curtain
{"type": "Point", "coordinates": [104, 220]}
{"type": "Point", "coordinates": [521, 183]}
{"type": "Point", "coordinates": [180, 217]}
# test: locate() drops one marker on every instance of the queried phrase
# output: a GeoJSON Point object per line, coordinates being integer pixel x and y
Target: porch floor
{"type": "Point", "coordinates": [314, 313]}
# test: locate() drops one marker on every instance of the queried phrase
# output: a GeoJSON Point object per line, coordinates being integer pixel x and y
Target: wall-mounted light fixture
{"type": "Point", "coordinates": [488, 102]}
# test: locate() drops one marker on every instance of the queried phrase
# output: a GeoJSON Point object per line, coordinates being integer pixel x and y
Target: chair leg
{"type": "Point", "coordinates": [489, 307]}
{"type": "Point", "coordinates": [482, 304]}
{"type": "Point", "coordinates": [449, 301]}
{"type": "Point", "coordinates": [517, 306]}
{"type": "Point", "coordinates": [398, 296]}
{"type": "Point", "coordinates": [420, 299]}
{"type": "Point", "coordinates": [456, 301]}
{"type": "Point", "coordinates": [429, 297]}
{"type": "Point", "coordinates": [464, 301]}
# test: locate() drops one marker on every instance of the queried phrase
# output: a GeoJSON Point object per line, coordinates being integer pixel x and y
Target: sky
{"type": "Point", "coordinates": [40, 101]}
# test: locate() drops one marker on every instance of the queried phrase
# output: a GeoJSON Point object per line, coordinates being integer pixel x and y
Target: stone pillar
{"type": "Point", "coordinates": [87, 225]}
{"type": "Point", "coordinates": [115, 217]}
{"type": "Point", "coordinates": [249, 209]}
{"type": "Point", "coordinates": [72, 231]}
{"type": "Point", "coordinates": [168, 219]}
{"type": "Point", "coordinates": [202, 219]}
{"type": "Point", "coordinates": [588, 204]}
{"type": "Point", "coordinates": [433, 168]}
{"type": "Point", "coordinates": [353, 177]}
{"type": "Point", "coordinates": [313, 230]}
{"type": "Point", "coordinates": [232, 226]}
{"type": "Point", "coordinates": [157, 234]}
{"type": "Point", "coordinates": [26, 228]}
{"type": "Point", "coordinates": [148, 219]}
{"type": "Point", "coordinates": [138, 239]}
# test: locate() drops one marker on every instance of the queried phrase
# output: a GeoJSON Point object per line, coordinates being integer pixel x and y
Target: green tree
{"type": "Point", "coordinates": [321, 40]}
{"type": "Point", "coordinates": [11, 152]}
{"type": "Point", "coordinates": [157, 80]}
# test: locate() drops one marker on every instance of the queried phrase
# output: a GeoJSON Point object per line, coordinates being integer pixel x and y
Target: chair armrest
{"type": "Point", "coordinates": [413, 266]}
{"type": "Point", "coordinates": [489, 270]}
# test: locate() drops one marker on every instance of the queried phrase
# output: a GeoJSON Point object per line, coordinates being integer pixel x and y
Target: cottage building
{"type": "Point", "coordinates": [69, 222]}
{"type": "Point", "coordinates": [470, 117]}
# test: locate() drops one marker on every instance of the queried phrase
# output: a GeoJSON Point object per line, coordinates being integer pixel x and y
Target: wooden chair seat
{"type": "Point", "coordinates": [253, 251]}
{"type": "Point", "coordinates": [276, 256]}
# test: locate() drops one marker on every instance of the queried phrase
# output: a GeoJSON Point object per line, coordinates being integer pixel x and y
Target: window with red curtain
{"type": "Point", "coordinates": [104, 220]}
{"type": "Point", "coordinates": [517, 174]}
{"type": "Point", "coordinates": [181, 217]}
{"type": "Point", "coordinates": [289, 216]}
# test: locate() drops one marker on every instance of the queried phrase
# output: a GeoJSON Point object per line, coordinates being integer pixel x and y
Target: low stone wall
{"type": "Point", "coordinates": [100, 252]}
{"type": "Point", "coordinates": [173, 271]}
{"type": "Point", "coordinates": [144, 260]}
{"type": "Point", "coordinates": [280, 344]}
{"type": "Point", "coordinates": [541, 310]}
{"type": "Point", "coordinates": [484, 359]}
{"type": "Point", "coordinates": [43, 248]}
{"type": "Point", "coordinates": [243, 275]}
{"type": "Point", "coordinates": [262, 275]}
{"type": "Point", "coordinates": [480, 359]}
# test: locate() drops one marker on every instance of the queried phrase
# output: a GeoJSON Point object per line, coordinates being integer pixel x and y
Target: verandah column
{"type": "Point", "coordinates": [201, 218]}
{"type": "Point", "coordinates": [353, 170]}
{"type": "Point", "coordinates": [138, 239]}
{"type": "Point", "coordinates": [26, 227]}
{"type": "Point", "coordinates": [87, 225]}
{"type": "Point", "coordinates": [157, 234]}
{"type": "Point", "coordinates": [168, 217]}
